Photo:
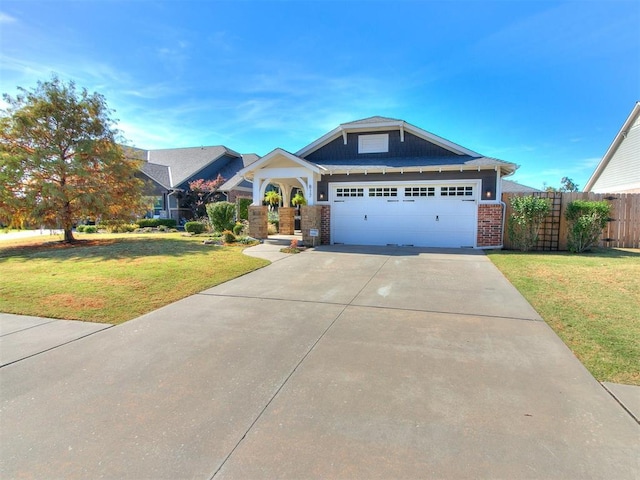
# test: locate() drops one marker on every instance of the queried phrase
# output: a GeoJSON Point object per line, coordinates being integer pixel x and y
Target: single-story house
{"type": "Point", "coordinates": [619, 169]}
{"type": "Point", "coordinates": [168, 173]}
{"type": "Point", "coordinates": [383, 181]}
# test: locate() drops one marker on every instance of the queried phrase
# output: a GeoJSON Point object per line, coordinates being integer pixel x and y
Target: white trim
{"type": "Point", "coordinates": [629, 122]}
{"type": "Point", "coordinates": [400, 125]}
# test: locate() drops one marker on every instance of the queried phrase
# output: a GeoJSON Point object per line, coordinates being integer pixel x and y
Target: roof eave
{"type": "Point", "coordinates": [613, 147]}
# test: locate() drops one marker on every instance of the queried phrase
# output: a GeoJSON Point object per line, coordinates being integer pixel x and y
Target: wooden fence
{"type": "Point", "coordinates": [622, 231]}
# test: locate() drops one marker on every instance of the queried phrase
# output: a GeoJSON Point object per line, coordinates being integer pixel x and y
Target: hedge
{"type": "Point", "coordinates": [156, 222]}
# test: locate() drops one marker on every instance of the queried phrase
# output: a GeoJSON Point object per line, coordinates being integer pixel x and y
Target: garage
{"type": "Point", "coordinates": [419, 214]}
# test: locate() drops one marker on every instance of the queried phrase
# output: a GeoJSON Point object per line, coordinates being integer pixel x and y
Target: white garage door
{"type": "Point", "coordinates": [431, 215]}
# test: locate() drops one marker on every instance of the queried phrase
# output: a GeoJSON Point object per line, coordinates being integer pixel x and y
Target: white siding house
{"type": "Point", "coordinates": [619, 169]}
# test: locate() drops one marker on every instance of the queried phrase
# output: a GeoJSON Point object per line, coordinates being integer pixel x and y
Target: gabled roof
{"type": "Point", "coordinates": [159, 173]}
{"type": "Point", "coordinates": [184, 163]}
{"type": "Point", "coordinates": [509, 186]}
{"type": "Point", "coordinates": [373, 124]}
{"type": "Point", "coordinates": [633, 117]}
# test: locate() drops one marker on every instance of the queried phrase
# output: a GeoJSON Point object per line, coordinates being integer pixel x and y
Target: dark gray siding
{"type": "Point", "coordinates": [336, 151]}
{"type": "Point", "coordinates": [210, 172]}
{"type": "Point", "coordinates": [488, 178]}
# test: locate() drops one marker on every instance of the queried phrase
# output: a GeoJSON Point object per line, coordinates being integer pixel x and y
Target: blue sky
{"type": "Point", "coordinates": [546, 85]}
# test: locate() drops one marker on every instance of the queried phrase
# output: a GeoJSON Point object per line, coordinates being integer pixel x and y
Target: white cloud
{"type": "Point", "coordinates": [5, 18]}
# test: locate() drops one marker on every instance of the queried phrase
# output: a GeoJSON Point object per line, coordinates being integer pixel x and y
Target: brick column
{"type": "Point", "coordinates": [258, 222]}
{"type": "Point", "coordinates": [311, 219]}
{"type": "Point", "coordinates": [325, 225]}
{"type": "Point", "coordinates": [489, 225]}
{"type": "Point", "coordinates": [287, 220]}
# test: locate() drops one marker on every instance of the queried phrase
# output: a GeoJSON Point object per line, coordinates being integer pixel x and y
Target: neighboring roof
{"type": "Point", "coordinates": [632, 119]}
{"type": "Point", "coordinates": [372, 124]}
{"type": "Point", "coordinates": [509, 186]}
{"type": "Point", "coordinates": [186, 162]}
{"type": "Point", "coordinates": [159, 173]}
{"type": "Point", "coordinates": [249, 158]}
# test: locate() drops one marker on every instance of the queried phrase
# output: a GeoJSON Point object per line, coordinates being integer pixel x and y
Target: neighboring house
{"type": "Point", "coordinates": [169, 171]}
{"type": "Point", "coordinates": [509, 186]}
{"type": "Point", "coordinates": [381, 181]}
{"type": "Point", "coordinates": [619, 169]}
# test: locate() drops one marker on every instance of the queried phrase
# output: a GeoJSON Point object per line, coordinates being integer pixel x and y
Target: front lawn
{"type": "Point", "coordinates": [591, 300]}
{"type": "Point", "coordinates": [111, 278]}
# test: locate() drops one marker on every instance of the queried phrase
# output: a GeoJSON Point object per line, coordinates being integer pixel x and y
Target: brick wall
{"type": "Point", "coordinates": [233, 195]}
{"type": "Point", "coordinates": [325, 225]}
{"type": "Point", "coordinates": [489, 225]}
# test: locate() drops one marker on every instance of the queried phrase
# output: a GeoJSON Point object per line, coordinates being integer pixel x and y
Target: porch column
{"type": "Point", "coordinates": [258, 221]}
{"type": "Point", "coordinates": [287, 220]}
{"type": "Point", "coordinates": [311, 219]}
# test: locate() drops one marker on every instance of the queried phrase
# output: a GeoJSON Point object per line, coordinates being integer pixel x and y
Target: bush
{"type": "Point", "coordinates": [90, 229]}
{"type": "Point", "coordinates": [586, 220]}
{"type": "Point", "coordinates": [237, 228]}
{"type": "Point", "coordinates": [156, 222]}
{"type": "Point", "coordinates": [222, 215]}
{"type": "Point", "coordinates": [524, 223]}
{"type": "Point", "coordinates": [80, 228]}
{"type": "Point", "coordinates": [122, 228]}
{"type": "Point", "coordinates": [247, 240]}
{"type": "Point", "coordinates": [194, 227]}
{"type": "Point", "coordinates": [243, 208]}
{"type": "Point", "coordinates": [228, 236]}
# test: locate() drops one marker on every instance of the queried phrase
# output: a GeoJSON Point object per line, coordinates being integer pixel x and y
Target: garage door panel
{"type": "Point", "coordinates": [438, 221]}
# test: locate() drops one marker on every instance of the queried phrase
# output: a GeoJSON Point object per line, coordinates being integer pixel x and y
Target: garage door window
{"type": "Point", "coordinates": [383, 192]}
{"type": "Point", "coordinates": [420, 191]}
{"type": "Point", "coordinates": [349, 192]}
{"type": "Point", "coordinates": [456, 191]}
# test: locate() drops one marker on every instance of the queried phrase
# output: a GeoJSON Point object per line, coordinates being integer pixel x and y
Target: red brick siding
{"type": "Point", "coordinates": [325, 225]}
{"type": "Point", "coordinates": [489, 225]}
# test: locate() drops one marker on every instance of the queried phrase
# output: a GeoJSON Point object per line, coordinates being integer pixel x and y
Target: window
{"type": "Point", "coordinates": [349, 192]}
{"type": "Point", "coordinates": [420, 191]}
{"type": "Point", "coordinates": [456, 191]}
{"type": "Point", "coordinates": [378, 143]}
{"type": "Point", "coordinates": [383, 192]}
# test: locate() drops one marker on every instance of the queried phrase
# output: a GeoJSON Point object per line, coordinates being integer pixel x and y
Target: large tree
{"type": "Point", "coordinates": [60, 160]}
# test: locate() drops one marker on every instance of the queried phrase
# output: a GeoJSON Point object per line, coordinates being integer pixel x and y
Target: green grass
{"type": "Point", "coordinates": [111, 278]}
{"type": "Point", "coordinates": [591, 300]}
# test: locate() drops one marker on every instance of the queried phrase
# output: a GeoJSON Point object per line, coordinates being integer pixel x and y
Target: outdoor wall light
{"type": "Point", "coordinates": [321, 195]}
{"type": "Point", "coordinates": [488, 194]}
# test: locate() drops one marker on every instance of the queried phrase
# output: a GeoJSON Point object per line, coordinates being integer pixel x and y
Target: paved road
{"type": "Point", "coordinates": [335, 363]}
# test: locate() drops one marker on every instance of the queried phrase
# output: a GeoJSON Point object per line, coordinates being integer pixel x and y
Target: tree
{"type": "Point", "coordinates": [567, 185]}
{"type": "Point", "coordinates": [59, 160]}
{"type": "Point", "coordinates": [200, 193]}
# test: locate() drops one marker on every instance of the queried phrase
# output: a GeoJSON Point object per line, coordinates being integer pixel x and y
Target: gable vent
{"type": "Point", "coordinates": [378, 143]}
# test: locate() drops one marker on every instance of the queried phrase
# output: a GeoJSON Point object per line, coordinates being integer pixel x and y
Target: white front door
{"type": "Point", "coordinates": [429, 215]}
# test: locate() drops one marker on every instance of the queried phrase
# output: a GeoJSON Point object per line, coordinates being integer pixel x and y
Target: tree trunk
{"type": "Point", "coordinates": [68, 235]}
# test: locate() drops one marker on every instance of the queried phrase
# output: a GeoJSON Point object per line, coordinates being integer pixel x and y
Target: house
{"type": "Point", "coordinates": [619, 169]}
{"type": "Point", "coordinates": [382, 181]}
{"type": "Point", "coordinates": [168, 173]}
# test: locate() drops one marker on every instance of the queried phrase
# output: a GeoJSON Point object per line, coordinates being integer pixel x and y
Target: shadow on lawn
{"type": "Point", "coordinates": [108, 249]}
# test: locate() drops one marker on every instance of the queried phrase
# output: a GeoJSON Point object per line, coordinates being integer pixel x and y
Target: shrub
{"type": "Point", "coordinates": [156, 222]}
{"type": "Point", "coordinates": [194, 227]}
{"type": "Point", "coordinates": [243, 208]}
{"type": "Point", "coordinates": [247, 240]}
{"type": "Point", "coordinates": [122, 228]}
{"type": "Point", "coordinates": [524, 223]}
{"type": "Point", "coordinates": [228, 236]}
{"type": "Point", "coordinates": [274, 219]}
{"type": "Point", "coordinates": [80, 228]}
{"type": "Point", "coordinates": [90, 229]}
{"type": "Point", "coordinates": [586, 220]}
{"type": "Point", "coordinates": [221, 215]}
{"type": "Point", "coordinates": [237, 228]}
{"type": "Point", "coordinates": [272, 229]}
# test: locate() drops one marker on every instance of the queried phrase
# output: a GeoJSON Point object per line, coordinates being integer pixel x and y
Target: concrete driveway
{"type": "Point", "coordinates": [335, 363]}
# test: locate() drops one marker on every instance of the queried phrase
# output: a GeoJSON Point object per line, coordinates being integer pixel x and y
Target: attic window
{"type": "Point", "coordinates": [378, 143]}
